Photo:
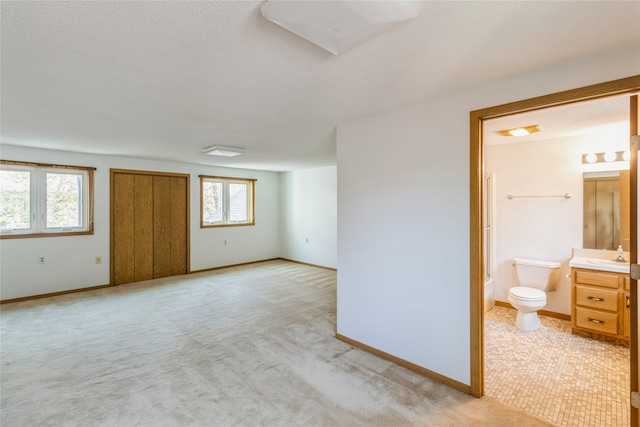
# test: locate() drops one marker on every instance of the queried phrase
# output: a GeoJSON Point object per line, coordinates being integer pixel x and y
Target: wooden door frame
{"type": "Point", "coordinates": [112, 173]}
{"type": "Point", "coordinates": [634, 333]}
{"type": "Point", "coordinates": [617, 87]}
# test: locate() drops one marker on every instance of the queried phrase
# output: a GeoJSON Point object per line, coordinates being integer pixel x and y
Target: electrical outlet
{"type": "Point", "coordinates": [98, 260]}
{"type": "Point", "coordinates": [41, 260]}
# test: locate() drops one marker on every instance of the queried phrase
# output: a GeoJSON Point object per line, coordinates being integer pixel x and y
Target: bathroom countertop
{"type": "Point", "coordinates": [588, 262]}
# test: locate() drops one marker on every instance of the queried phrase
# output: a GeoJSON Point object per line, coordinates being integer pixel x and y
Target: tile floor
{"type": "Point", "coordinates": [562, 378]}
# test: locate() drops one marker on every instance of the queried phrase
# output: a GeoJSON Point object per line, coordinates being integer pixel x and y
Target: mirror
{"type": "Point", "coordinates": [606, 210]}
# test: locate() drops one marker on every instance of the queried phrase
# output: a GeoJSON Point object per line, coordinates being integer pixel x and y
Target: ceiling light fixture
{"type": "Point", "coordinates": [223, 150]}
{"type": "Point", "coordinates": [610, 156]}
{"type": "Point", "coordinates": [521, 131]}
{"type": "Point", "coordinates": [337, 26]}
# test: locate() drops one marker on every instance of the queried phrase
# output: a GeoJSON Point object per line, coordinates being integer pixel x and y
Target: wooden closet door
{"type": "Point", "coordinates": [143, 231]}
{"type": "Point", "coordinates": [169, 225]}
{"type": "Point", "coordinates": [132, 225]}
{"type": "Point", "coordinates": [179, 228]}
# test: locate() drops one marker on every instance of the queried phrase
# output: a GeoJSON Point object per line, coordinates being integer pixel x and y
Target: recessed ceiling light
{"type": "Point", "coordinates": [521, 131]}
{"type": "Point", "coordinates": [223, 150]}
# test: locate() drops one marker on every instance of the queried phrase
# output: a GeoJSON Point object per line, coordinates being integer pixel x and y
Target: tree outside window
{"type": "Point", "coordinates": [226, 201]}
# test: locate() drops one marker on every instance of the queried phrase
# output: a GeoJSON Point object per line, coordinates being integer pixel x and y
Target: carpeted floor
{"type": "Point", "coordinates": [243, 346]}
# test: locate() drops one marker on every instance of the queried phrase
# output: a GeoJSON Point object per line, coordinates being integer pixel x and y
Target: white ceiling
{"type": "Point", "coordinates": [605, 116]}
{"type": "Point", "coordinates": [162, 80]}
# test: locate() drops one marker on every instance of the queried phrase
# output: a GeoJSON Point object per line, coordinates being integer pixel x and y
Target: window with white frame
{"type": "Point", "coordinates": [226, 201]}
{"type": "Point", "coordinates": [39, 200]}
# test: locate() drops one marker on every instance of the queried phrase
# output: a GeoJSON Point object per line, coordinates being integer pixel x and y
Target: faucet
{"type": "Point", "coordinates": [620, 255]}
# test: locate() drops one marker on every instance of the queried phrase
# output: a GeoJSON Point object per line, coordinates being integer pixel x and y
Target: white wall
{"type": "Point", "coordinates": [309, 215]}
{"type": "Point", "coordinates": [70, 261]}
{"type": "Point", "coordinates": [403, 217]}
{"type": "Point", "coordinates": [540, 228]}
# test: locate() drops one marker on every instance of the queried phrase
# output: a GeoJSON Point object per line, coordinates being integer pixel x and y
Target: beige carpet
{"type": "Point", "coordinates": [243, 346]}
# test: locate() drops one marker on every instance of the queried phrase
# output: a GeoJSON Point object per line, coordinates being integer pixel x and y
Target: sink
{"type": "Point", "coordinates": [607, 262]}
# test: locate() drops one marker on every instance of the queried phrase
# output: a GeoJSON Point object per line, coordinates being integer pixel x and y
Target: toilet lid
{"type": "Point", "coordinates": [524, 293]}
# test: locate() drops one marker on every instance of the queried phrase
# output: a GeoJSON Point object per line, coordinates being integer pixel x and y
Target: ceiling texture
{"type": "Point", "coordinates": [165, 79]}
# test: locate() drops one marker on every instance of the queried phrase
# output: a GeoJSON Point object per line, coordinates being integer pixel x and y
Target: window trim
{"type": "Point", "coordinates": [89, 205]}
{"type": "Point", "coordinates": [226, 179]}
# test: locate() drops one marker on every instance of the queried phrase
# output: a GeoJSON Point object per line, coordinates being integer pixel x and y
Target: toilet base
{"type": "Point", "coordinates": [527, 321]}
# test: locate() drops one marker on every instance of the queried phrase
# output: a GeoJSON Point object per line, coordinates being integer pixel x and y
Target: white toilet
{"type": "Point", "coordinates": [535, 279]}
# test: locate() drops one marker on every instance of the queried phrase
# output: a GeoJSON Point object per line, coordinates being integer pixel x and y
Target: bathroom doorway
{"type": "Point", "coordinates": [478, 120]}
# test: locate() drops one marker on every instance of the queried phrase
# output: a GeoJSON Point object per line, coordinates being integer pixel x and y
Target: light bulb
{"type": "Point", "coordinates": [519, 132]}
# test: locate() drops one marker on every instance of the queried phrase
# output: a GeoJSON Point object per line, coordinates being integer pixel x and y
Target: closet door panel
{"type": "Point", "coordinates": [178, 238]}
{"type": "Point", "coordinates": [123, 228]}
{"type": "Point", "coordinates": [143, 231]}
{"type": "Point", "coordinates": [161, 226]}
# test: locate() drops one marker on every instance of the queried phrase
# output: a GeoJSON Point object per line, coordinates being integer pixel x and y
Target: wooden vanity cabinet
{"type": "Point", "coordinates": [599, 302]}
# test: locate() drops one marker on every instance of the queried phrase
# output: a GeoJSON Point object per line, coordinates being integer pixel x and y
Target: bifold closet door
{"type": "Point", "coordinates": [149, 220]}
{"type": "Point", "coordinates": [169, 226]}
{"type": "Point", "coordinates": [132, 228]}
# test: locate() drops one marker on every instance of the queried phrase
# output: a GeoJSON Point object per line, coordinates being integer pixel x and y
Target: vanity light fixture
{"type": "Point", "coordinates": [608, 157]}
{"type": "Point", "coordinates": [521, 131]}
{"type": "Point", "coordinates": [590, 158]}
{"type": "Point", "coordinates": [223, 150]}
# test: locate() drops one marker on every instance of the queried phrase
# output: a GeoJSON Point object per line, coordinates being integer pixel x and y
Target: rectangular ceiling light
{"type": "Point", "coordinates": [339, 25]}
{"type": "Point", "coordinates": [521, 131]}
{"type": "Point", "coordinates": [223, 150]}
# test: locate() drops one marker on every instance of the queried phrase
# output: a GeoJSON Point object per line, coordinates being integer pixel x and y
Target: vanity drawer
{"type": "Point", "coordinates": [600, 298]}
{"type": "Point", "coordinates": [597, 321]}
{"type": "Point", "coordinates": [587, 277]}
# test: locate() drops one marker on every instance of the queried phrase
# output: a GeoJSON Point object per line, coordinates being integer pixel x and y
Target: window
{"type": "Point", "coordinates": [226, 201]}
{"type": "Point", "coordinates": [39, 200]}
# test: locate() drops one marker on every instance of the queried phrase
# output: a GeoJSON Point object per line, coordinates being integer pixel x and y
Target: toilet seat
{"type": "Point", "coordinates": [524, 293]}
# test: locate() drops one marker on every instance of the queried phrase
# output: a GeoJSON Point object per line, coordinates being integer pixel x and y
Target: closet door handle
{"type": "Point", "coordinates": [595, 298]}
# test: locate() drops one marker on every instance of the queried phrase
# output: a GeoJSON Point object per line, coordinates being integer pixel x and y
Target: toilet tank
{"type": "Point", "coordinates": [537, 274]}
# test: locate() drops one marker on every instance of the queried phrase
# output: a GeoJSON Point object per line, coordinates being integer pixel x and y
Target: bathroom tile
{"type": "Point", "coordinates": [562, 378]}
